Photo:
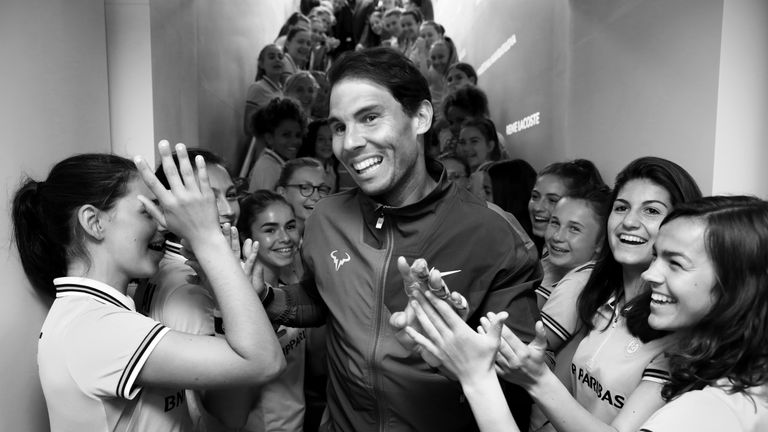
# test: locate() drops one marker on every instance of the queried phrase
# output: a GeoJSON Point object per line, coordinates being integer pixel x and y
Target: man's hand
{"type": "Point", "coordinates": [417, 278]}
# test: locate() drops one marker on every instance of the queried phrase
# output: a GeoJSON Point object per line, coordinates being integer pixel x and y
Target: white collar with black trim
{"type": "Point", "coordinates": [99, 291]}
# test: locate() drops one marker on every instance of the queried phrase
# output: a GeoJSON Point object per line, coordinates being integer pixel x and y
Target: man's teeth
{"type": "Point", "coordinates": [541, 219]}
{"type": "Point", "coordinates": [626, 238]}
{"type": "Point", "coordinates": [661, 298]}
{"type": "Point", "coordinates": [285, 250]}
{"type": "Point", "coordinates": [368, 163]}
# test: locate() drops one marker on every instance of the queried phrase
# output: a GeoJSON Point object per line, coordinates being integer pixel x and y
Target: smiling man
{"type": "Point", "coordinates": [404, 206]}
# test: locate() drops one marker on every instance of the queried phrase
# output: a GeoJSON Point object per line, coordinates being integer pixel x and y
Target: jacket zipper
{"type": "Point", "coordinates": [381, 406]}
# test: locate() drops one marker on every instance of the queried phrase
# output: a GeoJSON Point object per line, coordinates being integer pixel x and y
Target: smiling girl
{"type": "Point", "coordinates": [479, 147]}
{"type": "Point", "coordinates": [303, 183]}
{"type": "Point", "coordinates": [708, 285]}
{"type": "Point", "coordinates": [553, 182]}
{"type": "Point", "coordinates": [281, 125]}
{"type": "Point", "coordinates": [267, 217]}
{"type": "Point", "coordinates": [83, 234]}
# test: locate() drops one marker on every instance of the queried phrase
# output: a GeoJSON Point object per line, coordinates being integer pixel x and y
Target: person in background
{"type": "Point", "coordinates": [343, 29]}
{"type": "Point", "coordinates": [456, 169]}
{"type": "Point", "coordinates": [511, 185]}
{"type": "Point", "coordinates": [302, 87]}
{"type": "Point", "coordinates": [102, 365]}
{"type": "Point", "coordinates": [392, 28]}
{"type": "Point", "coordinates": [410, 22]}
{"type": "Point", "coordinates": [281, 125]}
{"type": "Point", "coordinates": [465, 102]}
{"type": "Point", "coordinates": [479, 147]}
{"type": "Point", "coordinates": [302, 184]}
{"type": "Point", "coordinates": [373, 33]}
{"type": "Point", "coordinates": [459, 75]}
{"type": "Point", "coordinates": [441, 54]}
{"type": "Point", "coordinates": [320, 107]}
{"type": "Point", "coordinates": [268, 219]}
{"type": "Point", "coordinates": [296, 52]}
{"type": "Point", "coordinates": [554, 181]}
{"type": "Point", "coordinates": [268, 84]}
{"type": "Point", "coordinates": [318, 145]}
{"type": "Point", "coordinates": [295, 20]}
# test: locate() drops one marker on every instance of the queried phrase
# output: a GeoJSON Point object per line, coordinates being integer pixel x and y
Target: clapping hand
{"type": "Point", "coordinates": [520, 363]}
{"type": "Point", "coordinates": [445, 336]}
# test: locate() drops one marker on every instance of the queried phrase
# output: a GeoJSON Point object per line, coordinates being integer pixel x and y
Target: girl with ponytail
{"type": "Point", "coordinates": [83, 234]}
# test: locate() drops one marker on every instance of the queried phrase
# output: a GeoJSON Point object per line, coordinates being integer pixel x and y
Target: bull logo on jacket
{"type": "Point", "coordinates": [339, 262]}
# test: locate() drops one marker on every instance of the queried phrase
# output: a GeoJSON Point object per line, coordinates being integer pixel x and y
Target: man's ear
{"type": "Point", "coordinates": [280, 190]}
{"type": "Point", "coordinates": [89, 218]}
{"type": "Point", "coordinates": [423, 117]}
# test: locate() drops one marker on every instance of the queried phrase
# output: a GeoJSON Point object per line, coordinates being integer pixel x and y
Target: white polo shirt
{"type": "Point", "coordinates": [92, 347]}
{"type": "Point", "coordinates": [713, 409]}
{"type": "Point", "coordinates": [610, 363]}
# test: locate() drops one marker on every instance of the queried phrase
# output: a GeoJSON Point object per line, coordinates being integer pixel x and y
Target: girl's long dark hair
{"type": "Point", "coordinates": [606, 279]}
{"type": "Point", "coordinates": [44, 214]}
{"type": "Point", "coordinates": [731, 340]}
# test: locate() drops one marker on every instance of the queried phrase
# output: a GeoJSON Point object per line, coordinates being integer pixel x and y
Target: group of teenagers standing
{"type": "Point", "coordinates": [637, 307]}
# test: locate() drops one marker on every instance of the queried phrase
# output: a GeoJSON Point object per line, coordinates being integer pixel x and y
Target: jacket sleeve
{"type": "Point", "coordinates": [513, 288]}
{"type": "Point", "coordinates": [298, 305]}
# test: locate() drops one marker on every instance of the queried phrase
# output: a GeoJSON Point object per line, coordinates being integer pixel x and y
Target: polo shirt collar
{"type": "Point", "coordinates": [99, 291]}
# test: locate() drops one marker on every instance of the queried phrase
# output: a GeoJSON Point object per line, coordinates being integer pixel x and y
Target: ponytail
{"type": "Point", "coordinates": [41, 256]}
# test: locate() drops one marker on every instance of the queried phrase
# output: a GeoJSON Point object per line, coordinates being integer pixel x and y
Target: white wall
{"type": "Point", "coordinates": [741, 139]}
{"type": "Point", "coordinates": [643, 81]}
{"type": "Point", "coordinates": [612, 81]}
{"type": "Point", "coordinates": [129, 62]}
{"type": "Point", "coordinates": [203, 60]}
{"type": "Point", "coordinates": [55, 103]}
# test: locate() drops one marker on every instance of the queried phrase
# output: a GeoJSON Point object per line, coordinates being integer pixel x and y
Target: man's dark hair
{"type": "Point", "coordinates": [387, 68]}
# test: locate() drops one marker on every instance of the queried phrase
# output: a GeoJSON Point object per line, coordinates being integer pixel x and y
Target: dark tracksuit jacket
{"type": "Point", "coordinates": [351, 246]}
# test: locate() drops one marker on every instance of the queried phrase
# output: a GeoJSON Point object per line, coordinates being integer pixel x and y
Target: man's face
{"type": "Point", "coordinates": [376, 140]}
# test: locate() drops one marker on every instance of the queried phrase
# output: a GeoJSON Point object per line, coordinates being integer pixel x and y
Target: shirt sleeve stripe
{"type": "Point", "coordinates": [543, 292]}
{"type": "Point", "coordinates": [656, 375]}
{"type": "Point", "coordinates": [125, 386]}
{"type": "Point", "coordinates": [555, 326]}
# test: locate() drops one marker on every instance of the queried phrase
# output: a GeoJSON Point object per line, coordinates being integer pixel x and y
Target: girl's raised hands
{"type": "Point", "coordinates": [188, 208]}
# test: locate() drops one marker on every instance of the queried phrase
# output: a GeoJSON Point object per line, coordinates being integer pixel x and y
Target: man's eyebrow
{"type": "Point", "coordinates": [360, 111]}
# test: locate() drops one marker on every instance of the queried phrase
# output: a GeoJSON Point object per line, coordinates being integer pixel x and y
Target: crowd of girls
{"type": "Point", "coordinates": [653, 300]}
{"type": "Point", "coordinates": [662, 297]}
